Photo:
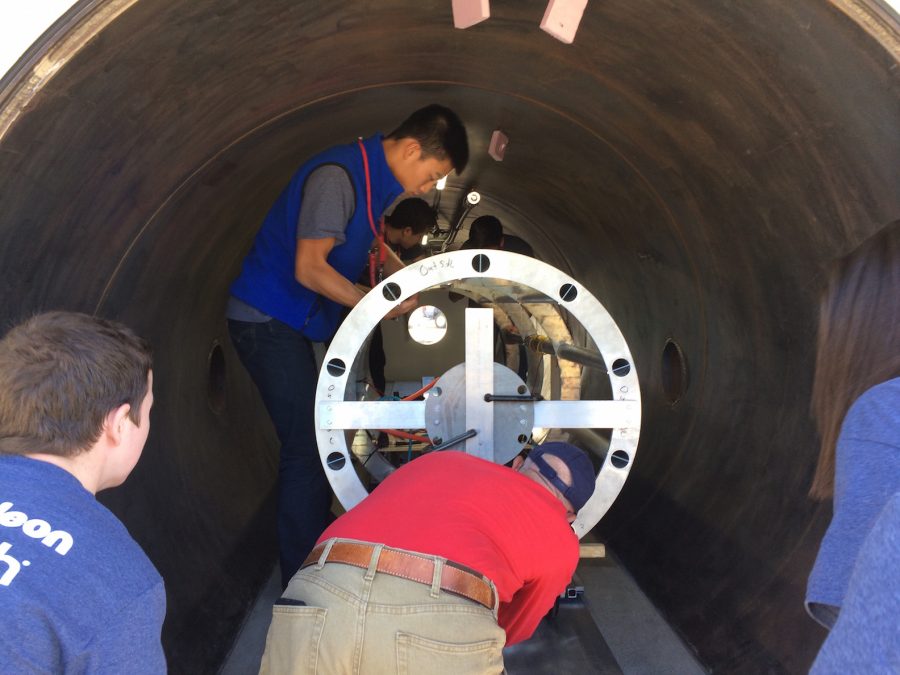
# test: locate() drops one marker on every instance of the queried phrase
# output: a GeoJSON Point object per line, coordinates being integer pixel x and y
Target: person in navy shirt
{"type": "Point", "coordinates": [77, 593]}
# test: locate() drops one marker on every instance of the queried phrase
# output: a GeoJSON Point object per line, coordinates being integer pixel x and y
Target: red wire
{"type": "Point", "coordinates": [421, 391]}
{"type": "Point", "coordinates": [382, 256]}
{"type": "Point", "coordinates": [407, 436]}
{"type": "Point", "coordinates": [378, 234]}
{"type": "Point", "coordinates": [365, 157]}
{"type": "Point", "coordinates": [403, 434]}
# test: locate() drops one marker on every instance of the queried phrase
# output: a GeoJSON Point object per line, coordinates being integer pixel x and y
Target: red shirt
{"type": "Point", "coordinates": [479, 514]}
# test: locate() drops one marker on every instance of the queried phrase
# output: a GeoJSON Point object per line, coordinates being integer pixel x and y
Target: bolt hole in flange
{"type": "Point", "coordinates": [391, 292]}
{"type": "Point", "coordinates": [620, 459]}
{"type": "Point", "coordinates": [336, 367]}
{"type": "Point", "coordinates": [568, 292]}
{"type": "Point", "coordinates": [215, 387]}
{"type": "Point", "coordinates": [336, 461]}
{"type": "Point", "coordinates": [675, 376]}
{"type": "Point", "coordinates": [621, 367]}
{"type": "Point", "coordinates": [481, 263]}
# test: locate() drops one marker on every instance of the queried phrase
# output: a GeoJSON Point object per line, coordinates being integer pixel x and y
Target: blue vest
{"type": "Point", "coordinates": [267, 279]}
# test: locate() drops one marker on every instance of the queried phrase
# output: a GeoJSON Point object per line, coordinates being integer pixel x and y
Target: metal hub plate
{"type": "Point", "coordinates": [445, 412]}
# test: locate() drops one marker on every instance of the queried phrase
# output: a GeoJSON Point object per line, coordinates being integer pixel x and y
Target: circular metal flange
{"type": "Point", "coordinates": [445, 412]}
{"type": "Point", "coordinates": [334, 415]}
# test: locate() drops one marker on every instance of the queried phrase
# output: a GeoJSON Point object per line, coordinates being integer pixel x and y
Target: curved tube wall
{"type": "Point", "coordinates": [695, 163]}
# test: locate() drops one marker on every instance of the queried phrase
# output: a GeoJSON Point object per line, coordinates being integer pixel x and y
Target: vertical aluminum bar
{"type": "Point", "coordinates": [480, 381]}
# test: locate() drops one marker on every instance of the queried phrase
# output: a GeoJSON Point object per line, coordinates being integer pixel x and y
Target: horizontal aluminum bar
{"type": "Point", "coordinates": [587, 414]}
{"type": "Point", "coordinates": [372, 415]}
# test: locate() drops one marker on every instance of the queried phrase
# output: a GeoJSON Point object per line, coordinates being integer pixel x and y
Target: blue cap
{"type": "Point", "coordinates": [583, 477]}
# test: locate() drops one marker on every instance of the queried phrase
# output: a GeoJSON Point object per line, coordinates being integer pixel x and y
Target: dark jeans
{"type": "Point", "coordinates": [281, 363]}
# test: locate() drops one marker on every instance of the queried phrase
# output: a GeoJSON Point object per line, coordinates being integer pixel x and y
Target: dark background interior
{"type": "Point", "coordinates": [695, 163]}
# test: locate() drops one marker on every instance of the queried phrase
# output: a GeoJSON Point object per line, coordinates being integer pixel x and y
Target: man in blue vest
{"type": "Point", "coordinates": [300, 273]}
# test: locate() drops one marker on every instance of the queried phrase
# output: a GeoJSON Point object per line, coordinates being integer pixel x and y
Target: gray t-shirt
{"type": "Point", "coordinates": [329, 200]}
{"type": "Point", "coordinates": [328, 203]}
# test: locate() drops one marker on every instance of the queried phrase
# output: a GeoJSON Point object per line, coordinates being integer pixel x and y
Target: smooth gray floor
{"type": "Point", "coordinates": [613, 629]}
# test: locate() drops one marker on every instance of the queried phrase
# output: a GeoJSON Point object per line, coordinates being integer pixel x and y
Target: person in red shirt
{"type": "Point", "coordinates": [448, 560]}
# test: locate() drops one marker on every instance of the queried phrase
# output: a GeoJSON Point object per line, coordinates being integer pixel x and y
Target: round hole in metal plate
{"type": "Point", "coordinates": [621, 367]}
{"type": "Point", "coordinates": [336, 461]}
{"type": "Point", "coordinates": [391, 291]}
{"type": "Point", "coordinates": [620, 459]}
{"type": "Point", "coordinates": [568, 292]}
{"type": "Point", "coordinates": [427, 325]}
{"type": "Point", "coordinates": [336, 367]}
{"type": "Point", "coordinates": [481, 263]}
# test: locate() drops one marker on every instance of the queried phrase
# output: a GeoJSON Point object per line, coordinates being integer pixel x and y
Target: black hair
{"type": "Point", "coordinates": [439, 131]}
{"type": "Point", "coordinates": [413, 213]}
{"type": "Point", "coordinates": [485, 232]}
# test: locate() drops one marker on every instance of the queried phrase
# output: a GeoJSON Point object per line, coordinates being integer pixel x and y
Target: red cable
{"type": "Point", "coordinates": [403, 434]}
{"type": "Point", "coordinates": [382, 256]}
{"type": "Point", "coordinates": [407, 436]}
{"type": "Point", "coordinates": [421, 391]}
{"type": "Point", "coordinates": [379, 234]}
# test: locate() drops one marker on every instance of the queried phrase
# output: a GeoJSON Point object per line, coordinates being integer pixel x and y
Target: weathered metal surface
{"type": "Point", "coordinates": [694, 164]}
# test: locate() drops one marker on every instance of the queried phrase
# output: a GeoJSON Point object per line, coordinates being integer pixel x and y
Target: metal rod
{"type": "Point", "coordinates": [511, 398]}
{"type": "Point", "coordinates": [454, 229]}
{"type": "Point", "coordinates": [568, 352]}
{"type": "Point", "coordinates": [456, 439]}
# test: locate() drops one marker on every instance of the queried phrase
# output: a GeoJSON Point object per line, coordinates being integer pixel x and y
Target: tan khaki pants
{"type": "Point", "coordinates": [362, 622]}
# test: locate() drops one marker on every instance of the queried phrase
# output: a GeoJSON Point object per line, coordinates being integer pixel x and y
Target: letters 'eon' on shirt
{"type": "Point", "coordinates": [77, 593]}
{"type": "Point", "coordinates": [482, 515]}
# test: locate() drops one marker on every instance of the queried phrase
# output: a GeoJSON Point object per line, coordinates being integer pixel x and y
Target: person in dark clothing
{"type": "Point", "coordinates": [487, 232]}
{"type": "Point", "coordinates": [404, 228]}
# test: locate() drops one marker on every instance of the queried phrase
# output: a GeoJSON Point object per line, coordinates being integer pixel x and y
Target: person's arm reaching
{"type": "Point", "coordinates": [328, 204]}
{"type": "Point", "coordinates": [311, 269]}
{"type": "Point", "coordinates": [392, 262]}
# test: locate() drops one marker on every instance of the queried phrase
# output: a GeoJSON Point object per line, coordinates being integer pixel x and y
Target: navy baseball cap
{"type": "Point", "coordinates": [583, 477]}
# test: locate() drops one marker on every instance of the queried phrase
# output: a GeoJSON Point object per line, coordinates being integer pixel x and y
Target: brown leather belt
{"type": "Point", "coordinates": [454, 577]}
